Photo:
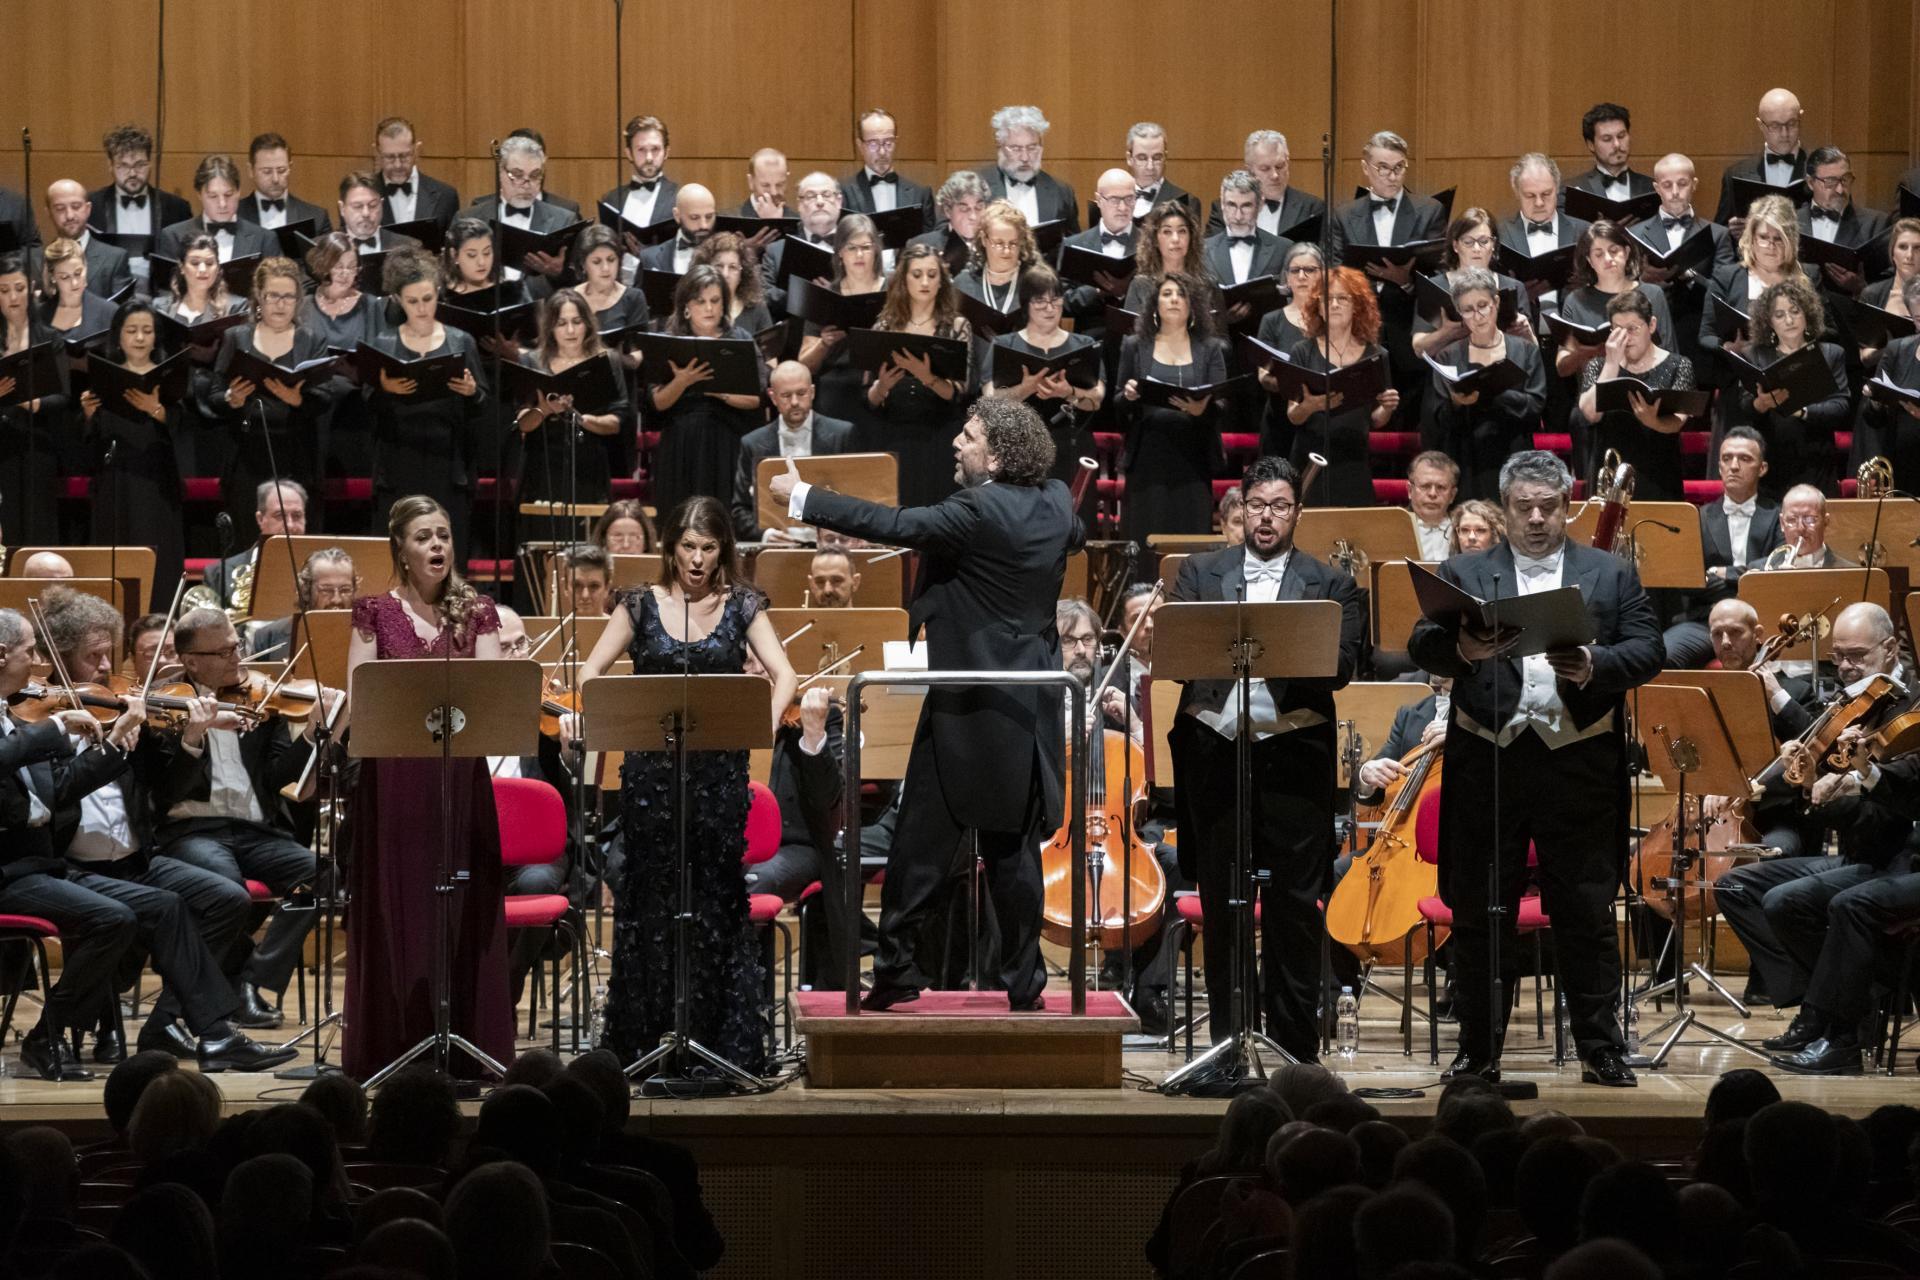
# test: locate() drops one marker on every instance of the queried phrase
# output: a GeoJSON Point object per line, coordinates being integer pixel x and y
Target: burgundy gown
{"type": "Point", "coordinates": [396, 853]}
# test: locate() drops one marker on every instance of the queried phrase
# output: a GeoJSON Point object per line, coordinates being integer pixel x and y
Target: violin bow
{"type": "Point", "coordinates": [166, 633]}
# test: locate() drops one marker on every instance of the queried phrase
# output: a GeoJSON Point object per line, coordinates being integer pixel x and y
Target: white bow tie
{"type": "Point", "coordinates": [1741, 508]}
{"type": "Point", "coordinates": [1533, 568]}
{"type": "Point", "coordinates": [1255, 570]}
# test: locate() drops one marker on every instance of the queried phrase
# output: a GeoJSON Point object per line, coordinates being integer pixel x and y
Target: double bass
{"type": "Point", "coordinates": [1111, 868]}
{"type": "Point", "coordinates": [1375, 907]}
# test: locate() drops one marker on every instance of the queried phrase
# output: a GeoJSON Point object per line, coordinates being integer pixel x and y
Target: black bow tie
{"type": "Point", "coordinates": [275, 205]}
{"type": "Point", "coordinates": [1110, 237]}
{"type": "Point", "coordinates": [367, 243]}
{"type": "Point", "coordinates": [1774, 159]}
{"type": "Point", "coordinates": [1232, 240]}
{"type": "Point", "coordinates": [636, 184]}
{"type": "Point", "coordinates": [515, 211]}
{"type": "Point", "coordinates": [681, 242]}
{"type": "Point", "coordinates": [1019, 182]}
{"type": "Point", "coordinates": [134, 202]}
{"type": "Point", "coordinates": [1273, 206]}
{"type": "Point", "coordinates": [1539, 228]}
{"type": "Point", "coordinates": [1375, 204]}
{"type": "Point", "coordinates": [214, 228]}
{"type": "Point", "coordinates": [822, 240]}
{"type": "Point", "coordinates": [1831, 215]}
{"type": "Point", "coordinates": [400, 188]}
{"type": "Point", "coordinates": [888, 178]}
{"type": "Point", "coordinates": [1670, 223]}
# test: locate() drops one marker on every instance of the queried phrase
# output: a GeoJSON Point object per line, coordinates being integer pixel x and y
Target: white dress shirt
{"type": "Point", "coordinates": [1540, 707]}
{"type": "Point", "coordinates": [132, 221]}
{"type": "Point", "coordinates": [1383, 220]}
{"type": "Point", "coordinates": [1115, 248]}
{"type": "Point", "coordinates": [1268, 219]}
{"type": "Point", "coordinates": [105, 833]}
{"type": "Point", "coordinates": [1679, 232]}
{"type": "Point", "coordinates": [224, 239]}
{"type": "Point", "coordinates": [1023, 196]}
{"type": "Point", "coordinates": [38, 814]}
{"type": "Point", "coordinates": [1823, 228]}
{"type": "Point", "coordinates": [682, 256]}
{"type": "Point", "coordinates": [1143, 201]}
{"type": "Point", "coordinates": [1539, 242]}
{"type": "Point", "coordinates": [230, 792]}
{"type": "Point", "coordinates": [1739, 521]}
{"type": "Point", "coordinates": [1436, 540]}
{"type": "Point", "coordinates": [271, 219]}
{"type": "Point", "coordinates": [1241, 256]}
{"type": "Point", "coordinates": [638, 207]}
{"type": "Point", "coordinates": [886, 195]}
{"type": "Point", "coordinates": [1263, 578]}
{"type": "Point", "coordinates": [795, 442]}
{"type": "Point", "coordinates": [1615, 187]}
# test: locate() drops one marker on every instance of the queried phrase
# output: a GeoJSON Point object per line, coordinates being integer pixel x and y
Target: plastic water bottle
{"type": "Point", "coordinates": [597, 1017]}
{"type": "Point", "coordinates": [1633, 1027]}
{"type": "Point", "coordinates": [1347, 1025]}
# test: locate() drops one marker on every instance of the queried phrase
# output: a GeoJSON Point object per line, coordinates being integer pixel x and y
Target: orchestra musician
{"type": "Point", "coordinates": [797, 431]}
{"type": "Point", "coordinates": [1803, 533]}
{"type": "Point", "coordinates": [326, 581]}
{"type": "Point", "coordinates": [1738, 529]}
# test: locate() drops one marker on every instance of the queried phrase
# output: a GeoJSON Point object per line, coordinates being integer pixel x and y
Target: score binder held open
{"type": "Point", "coordinates": [1556, 619]}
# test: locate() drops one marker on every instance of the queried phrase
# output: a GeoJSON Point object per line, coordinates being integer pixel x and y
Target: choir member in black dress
{"type": "Point", "coordinates": [468, 265]}
{"type": "Point", "coordinates": [1343, 328]}
{"type": "Point", "coordinates": [732, 255]}
{"type": "Point", "coordinates": [1800, 450]}
{"type": "Point", "coordinates": [137, 494]}
{"type": "Point", "coordinates": [699, 430]}
{"type": "Point", "coordinates": [1471, 245]}
{"type": "Point", "coordinates": [1003, 247]}
{"type": "Point", "coordinates": [559, 456]}
{"type": "Point", "coordinates": [624, 529]}
{"type": "Point", "coordinates": [1893, 426]}
{"type": "Point", "coordinates": [199, 292]}
{"type": "Point", "coordinates": [29, 430]}
{"type": "Point", "coordinates": [1172, 452]}
{"type": "Point", "coordinates": [424, 445]}
{"type": "Point", "coordinates": [289, 415]}
{"type": "Point", "coordinates": [1769, 254]}
{"type": "Point", "coordinates": [916, 413]}
{"type": "Point", "coordinates": [596, 261]}
{"type": "Point", "coordinates": [344, 316]}
{"type": "Point", "coordinates": [1067, 410]}
{"type": "Point", "coordinates": [1301, 271]}
{"type": "Point", "coordinates": [1606, 262]}
{"type": "Point", "coordinates": [961, 200]}
{"type": "Point", "coordinates": [1169, 242]}
{"type": "Point", "coordinates": [70, 306]}
{"type": "Point", "coordinates": [1479, 431]}
{"type": "Point", "coordinates": [1645, 437]}
{"type": "Point", "coordinates": [1903, 248]}
{"type": "Point", "coordinates": [109, 273]}
{"type": "Point", "coordinates": [840, 389]}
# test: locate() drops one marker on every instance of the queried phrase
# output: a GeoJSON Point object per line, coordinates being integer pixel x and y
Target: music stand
{"type": "Point", "coordinates": [1394, 606]}
{"type": "Point", "coordinates": [1664, 558]}
{"type": "Point", "coordinates": [1234, 640]}
{"type": "Point", "coordinates": [416, 708]}
{"type": "Point", "coordinates": [1687, 744]}
{"type": "Point", "coordinates": [676, 714]}
{"type": "Point", "coordinates": [1777, 591]}
{"type": "Point", "coordinates": [274, 592]}
{"type": "Point", "coordinates": [872, 476]}
{"type": "Point", "coordinates": [132, 566]}
{"type": "Point", "coordinates": [782, 572]}
{"type": "Point", "coordinates": [1855, 524]}
{"type": "Point", "coordinates": [817, 638]}
{"type": "Point", "coordinates": [1380, 533]}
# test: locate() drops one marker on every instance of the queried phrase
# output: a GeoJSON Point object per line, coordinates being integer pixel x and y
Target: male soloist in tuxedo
{"type": "Point", "coordinates": [109, 272]}
{"type": "Point", "coordinates": [1607, 129]}
{"type": "Point", "coordinates": [1736, 530]}
{"type": "Point", "coordinates": [272, 203]}
{"type": "Point", "coordinates": [1147, 163]}
{"type": "Point", "coordinates": [216, 183]}
{"type": "Point", "coordinates": [1781, 161]}
{"type": "Point", "coordinates": [796, 432]}
{"type": "Point", "coordinates": [1019, 134]}
{"type": "Point", "coordinates": [1293, 767]}
{"type": "Point", "coordinates": [409, 195]}
{"type": "Point", "coordinates": [877, 186]}
{"type": "Point", "coordinates": [984, 757]}
{"type": "Point", "coordinates": [1536, 753]}
{"type": "Point", "coordinates": [517, 203]}
{"type": "Point", "coordinates": [1675, 224]}
{"type": "Point", "coordinates": [1284, 209]}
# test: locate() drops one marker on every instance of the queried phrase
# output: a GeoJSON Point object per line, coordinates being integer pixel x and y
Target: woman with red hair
{"type": "Point", "coordinates": [1343, 329]}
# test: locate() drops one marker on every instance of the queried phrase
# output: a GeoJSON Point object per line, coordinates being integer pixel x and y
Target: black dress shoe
{"type": "Point", "coordinates": [1151, 1008]}
{"type": "Point", "coordinates": [1806, 1027]}
{"type": "Point", "coordinates": [52, 1058]}
{"type": "Point", "coordinates": [109, 1047]}
{"type": "Point", "coordinates": [255, 1010]}
{"type": "Point", "coordinates": [881, 998]}
{"type": "Point", "coordinates": [169, 1037]}
{"type": "Point", "coordinates": [1470, 1062]}
{"type": "Point", "coordinates": [237, 1053]}
{"type": "Point", "coordinates": [1036, 1005]}
{"type": "Point", "coordinates": [1832, 1055]}
{"type": "Point", "coordinates": [1607, 1066]}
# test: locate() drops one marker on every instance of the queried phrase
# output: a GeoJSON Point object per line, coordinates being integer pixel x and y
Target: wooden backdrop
{"type": "Point", "coordinates": [1470, 87]}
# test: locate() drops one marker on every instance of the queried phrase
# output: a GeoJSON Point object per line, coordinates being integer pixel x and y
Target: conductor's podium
{"type": "Point", "coordinates": [963, 1040]}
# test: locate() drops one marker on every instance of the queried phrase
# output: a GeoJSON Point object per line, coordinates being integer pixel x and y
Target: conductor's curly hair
{"type": "Point", "coordinates": [1017, 439]}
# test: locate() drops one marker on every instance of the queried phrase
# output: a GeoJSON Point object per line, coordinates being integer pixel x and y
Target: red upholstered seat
{"type": "Point", "coordinates": [1553, 441]}
{"type": "Point", "coordinates": [1390, 493]}
{"type": "Point", "coordinates": [1530, 919]}
{"type": "Point", "coordinates": [1188, 905]}
{"type": "Point", "coordinates": [764, 908]}
{"type": "Point", "coordinates": [1393, 442]}
{"type": "Point", "coordinates": [535, 910]}
{"type": "Point", "coordinates": [533, 821]}
{"type": "Point", "coordinates": [202, 488]}
{"type": "Point", "coordinates": [258, 891]}
{"type": "Point", "coordinates": [29, 924]}
{"type": "Point", "coordinates": [763, 825]}
{"type": "Point", "coordinates": [1701, 492]}
{"type": "Point", "coordinates": [810, 890]}
{"type": "Point", "coordinates": [1693, 444]}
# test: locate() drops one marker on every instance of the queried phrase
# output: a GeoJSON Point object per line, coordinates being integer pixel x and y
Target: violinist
{"type": "Point", "coordinates": [1735, 531]}
{"type": "Point", "coordinates": [1778, 908]}
{"type": "Point", "coordinates": [215, 788]}
{"type": "Point", "coordinates": [832, 579]}
{"type": "Point", "coordinates": [588, 574]}
{"type": "Point", "coordinates": [108, 831]}
{"type": "Point", "coordinates": [152, 634]}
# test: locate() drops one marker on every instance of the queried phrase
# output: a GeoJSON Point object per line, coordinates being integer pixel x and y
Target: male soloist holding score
{"type": "Point", "coordinates": [984, 757]}
{"type": "Point", "coordinates": [1550, 730]}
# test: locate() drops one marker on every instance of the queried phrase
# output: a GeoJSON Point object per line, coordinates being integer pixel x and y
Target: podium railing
{"type": "Point", "coordinates": [1076, 811]}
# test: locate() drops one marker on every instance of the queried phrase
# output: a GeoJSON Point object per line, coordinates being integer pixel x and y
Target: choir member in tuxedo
{"type": "Point", "coordinates": [877, 187]}
{"type": "Point", "coordinates": [272, 203]}
{"type": "Point", "coordinates": [1890, 294]}
{"type": "Point", "coordinates": [819, 197]}
{"type": "Point", "coordinates": [1283, 207]}
{"type": "Point", "coordinates": [841, 388]}
{"type": "Point", "coordinates": [1538, 226]}
{"type": "Point", "coordinates": [291, 416]}
{"type": "Point", "coordinates": [137, 494]}
{"type": "Point", "coordinates": [699, 430]}
{"type": "Point", "coordinates": [648, 195]}
{"type": "Point", "coordinates": [216, 184]}
{"type": "Point", "coordinates": [797, 431]}
{"type": "Point", "coordinates": [1343, 328]}
{"type": "Point", "coordinates": [1781, 162]}
{"type": "Point", "coordinates": [408, 195]}
{"type": "Point", "coordinates": [1520, 730]}
{"type": "Point", "coordinates": [1111, 233]}
{"type": "Point", "coordinates": [199, 292]}
{"type": "Point", "coordinates": [343, 315]}
{"type": "Point", "coordinates": [1433, 482]}
{"type": "Point", "coordinates": [72, 310]}
{"type": "Point", "coordinates": [1606, 263]}
{"type": "Point", "coordinates": [1003, 248]}
{"type": "Point", "coordinates": [1470, 247]}
{"type": "Point", "coordinates": [1831, 215]}
{"type": "Point", "coordinates": [766, 186]}
{"type": "Point", "coordinates": [109, 272]}
{"type": "Point", "coordinates": [1242, 251]}
{"type": "Point", "coordinates": [1293, 767]}
{"type": "Point", "coordinates": [1736, 529]}
{"type": "Point", "coordinates": [1607, 129]}
{"type": "Point", "coordinates": [914, 413]}
{"type": "Point", "coordinates": [30, 444]}
{"type": "Point", "coordinates": [360, 204]}
{"type": "Point", "coordinates": [1169, 242]}
{"type": "Point", "coordinates": [693, 212]}
{"type": "Point", "coordinates": [1389, 214]}
{"type": "Point", "coordinates": [1769, 252]}
{"type": "Point", "coordinates": [961, 200]}
{"type": "Point", "coordinates": [1786, 317]}
{"type": "Point", "coordinates": [425, 446]}
{"type": "Point", "coordinates": [1644, 436]}
{"type": "Point", "coordinates": [1480, 431]}
{"type": "Point", "coordinates": [540, 191]}
{"type": "Point", "coordinates": [561, 458]}
{"type": "Point", "coordinates": [522, 168]}
{"type": "Point", "coordinates": [1147, 164]}
{"type": "Point", "coordinates": [1890, 425]}
{"type": "Point", "coordinates": [733, 256]}
{"type": "Point", "coordinates": [616, 305]}
{"type": "Point", "coordinates": [129, 205]}
{"type": "Point", "coordinates": [1019, 134]}
{"type": "Point", "coordinates": [1672, 226]}
{"type": "Point", "coordinates": [1066, 409]}
{"type": "Point", "coordinates": [1172, 451]}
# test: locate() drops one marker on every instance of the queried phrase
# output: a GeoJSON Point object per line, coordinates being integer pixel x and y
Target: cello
{"type": "Point", "coordinates": [1110, 867]}
{"type": "Point", "coordinates": [1376, 905]}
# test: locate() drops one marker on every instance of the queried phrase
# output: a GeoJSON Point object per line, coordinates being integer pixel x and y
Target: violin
{"type": "Point", "coordinates": [555, 703]}
{"type": "Point", "coordinates": [257, 698]}
{"type": "Point", "coordinates": [1794, 629]}
{"type": "Point", "coordinates": [1802, 761]}
{"type": "Point", "coordinates": [105, 702]}
{"type": "Point", "coordinates": [1109, 867]}
{"type": "Point", "coordinates": [1376, 905]}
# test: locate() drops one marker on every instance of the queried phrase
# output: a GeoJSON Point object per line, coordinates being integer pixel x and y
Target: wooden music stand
{"type": "Point", "coordinates": [1850, 524]}
{"type": "Point", "coordinates": [326, 660]}
{"type": "Point", "coordinates": [127, 563]}
{"type": "Point", "coordinates": [834, 633]}
{"type": "Point", "coordinates": [1074, 584]}
{"type": "Point", "coordinates": [1802, 590]}
{"type": "Point", "coordinates": [781, 572]}
{"type": "Point", "coordinates": [1184, 544]}
{"type": "Point", "coordinates": [1741, 699]}
{"type": "Point", "coordinates": [1664, 559]}
{"type": "Point", "coordinates": [549, 650]}
{"type": "Point", "coordinates": [1371, 705]}
{"type": "Point", "coordinates": [586, 512]}
{"type": "Point", "coordinates": [274, 595]}
{"type": "Point", "coordinates": [1393, 605]}
{"type": "Point", "coordinates": [873, 476]}
{"type": "Point", "coordinates": [1170, 567]}
{"type": "Point", "coordinates": [1383, 533]}
{"type": "Point", "coordinates": [640, 571]}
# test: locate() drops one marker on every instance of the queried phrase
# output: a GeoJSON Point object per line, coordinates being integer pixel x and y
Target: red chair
{"type": "Point", "coordinates": [34, 932]}
{"type": "Point", "coordinates": [1190, 923]}
{"type": "Point", "coordinates": [533, 832]}
{"type": "Point", "coordinates": [763, 909]}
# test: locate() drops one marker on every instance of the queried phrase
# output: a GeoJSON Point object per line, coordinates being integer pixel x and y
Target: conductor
{"type": "Point", "coordinates": [987, 758]}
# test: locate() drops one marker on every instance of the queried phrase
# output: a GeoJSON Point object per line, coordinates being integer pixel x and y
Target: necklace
{"type": "Point", "coordinates": [1486, 346]}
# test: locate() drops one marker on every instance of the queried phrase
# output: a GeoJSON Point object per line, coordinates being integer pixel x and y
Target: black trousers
{"type": "Point", "coordinates": [241, 851]}
{"type": "Point", "coordinates": [1758, 897]}
{"type": "Point", "coordinates": [1566, 804]}
{"type": "Point", "coordinates": [1293, 783]}
{"type": "Point", "coordinates": [929, 853]}
{"type": "Point", "coordinates": [1833, 925]}
{"type": "Point", "coordinates": [217, 907]}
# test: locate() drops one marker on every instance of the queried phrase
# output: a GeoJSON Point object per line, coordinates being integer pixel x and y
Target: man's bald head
{"type": "Point", "coordinates": [693, 210]}
{"type": "Point", "coordinates": [46, 564]}
{"type": "Point", "coordinates": [1803, 517]}
{"type": "Point", "coordinates": [790, 387]}
{"type": "Point", "coordinates": [1734, 626]}
{"type": "Point", "coordinates": [1866, 619]}
{"type": "Point", "coordinates": [1862, 643]}
{"type": "Point", "coordinates": [1114, 182]}
{"type": "Point", "coordinates": [68, 207]}
{"type": "Point", "coordinates": [1779, 118]}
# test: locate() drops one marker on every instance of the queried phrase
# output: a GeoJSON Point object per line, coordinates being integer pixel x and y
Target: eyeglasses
{"type": "Point", "coordinates": [1854, 657]}
{"type": "Point", "coordinates": [1304, 269]}
{"type": "Point", "coordinates": [1803, 522]}
{"type": "Point", "coordinates": [1021, 149]}
{"type": "Point", "coordinates": [1780, 126]}
{"type": "Point", "coordinates": [514, 648]}
{"type": "Point", "coordinates": [1257, 508]}
{"type": "Point", "coordinates": [1838, 180]}
{"type": "Point", "coordinates": [1079, 642]}
{"type": "Point", "coordinates": [1388, 170]}
{"type": "Point", "coordinates": [878, 144]}
{"type": "Point", "coordinates": [525, 179]}
{"type": "Point", "coordinates": [819, 197]}
{"type": "Point", "coordinates": [1339, 299]}
{"type": "Point", "coordinates": [132, 166]}
{"type": "Point", "coordinates": [1479, 308]}
{"type": "Point", "coordinates": [228, 652]}
{"type": "Point", "coordinates": [1476, 242]}
{"type": "Point", "coordinates": [1123, 198]}
{"type": "Point", "coordinates": [279, 297]}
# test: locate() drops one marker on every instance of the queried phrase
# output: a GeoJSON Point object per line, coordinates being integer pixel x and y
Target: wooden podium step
{"type": "Point", "coordinates": [963, 1040]}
